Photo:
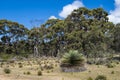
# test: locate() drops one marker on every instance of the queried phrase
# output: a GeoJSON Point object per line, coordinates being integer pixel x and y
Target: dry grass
{"type": "Point", "coordinates": [33, 66]}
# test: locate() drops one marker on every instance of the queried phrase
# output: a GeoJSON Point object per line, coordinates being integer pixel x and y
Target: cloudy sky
{"type": "Point", "coordinates": [34, 12]}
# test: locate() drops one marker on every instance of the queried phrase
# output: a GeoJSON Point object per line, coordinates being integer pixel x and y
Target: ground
{"type": "Point", "coordinates": [33, 66]}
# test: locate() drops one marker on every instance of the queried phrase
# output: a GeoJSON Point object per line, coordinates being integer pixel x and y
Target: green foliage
{"type": "Point", "coordinates": [112, 72]}
{"type": "Point", "coordinates": [85, 30]}
{"type": "Point", "coordinates": [47, 66]}
{"type": "Point", "coordinates": [90, 78]}
{"type": "Point", "coordinates": [110, 65]}
{"type": "Point", "coordinates": [20, 66]}
{"type": "Point", "coordinates": [116, 35]}
{"type": "Point", "coordinates": [72, 58]}
{"type": "Point", "coordinates": [7, 71]}
{"type": "Point", "coordinates": [101, 77]}
{"type": "Point", "coordinates": [28, 73]}
{"type": "Point", "coordinates": [39, 73]}
{"type": "Point", "coordinates": [6, 57]}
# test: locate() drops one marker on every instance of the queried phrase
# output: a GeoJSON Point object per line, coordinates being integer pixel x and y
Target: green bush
{"type": "Point", "coordinates": [91, 61]}
{"type": "Point", "coordinates": [112, 72]}
{"type": "Point", "coordinates": [110, 65]}
{"type": "Point", "coordinates": [101, 77]}
{"type": "Point", "coordinates": [39, 73]}
{"type": "Point", "coordinates": [116, 61]}
{"type": "Point", "coordinates": [100, 62]}
{"type": "Point", "coordinates": [90, 78]}
{"type": "Point", "coordinates": [7, 71]}
{"type": "Point", "coordinates": [48, 66]}
{"type": "Point", "coordinates": [20, 66]}
{"type": "Point", "coordinates": [73, 58]}
{"type": "Point", "coordinates": [89, 71]}
{"type": "Point", "coordinates": [28, 73]}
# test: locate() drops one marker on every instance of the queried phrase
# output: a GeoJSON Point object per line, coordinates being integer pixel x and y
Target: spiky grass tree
{"type": "Point", "coordinates": [72, 58]}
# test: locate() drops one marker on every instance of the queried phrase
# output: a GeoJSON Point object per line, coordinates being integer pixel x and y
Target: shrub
{"type": "Point", "coordinates": [20, 66]}
{"type": "Point", "coordinates": [7, 71]}
{"type": "Point", "coordinates": [12, 61]}
{"type": "Point", "coordinates": [19, 63]}
{"type": "Point", "coordinates": [90, 78]}
{"type": "Point", "coordinates": [116, 61]}
{"type": "Point", "coordinates": [73, 58]}
{"type": "Point", "coordinates": [112, 72]}
{"type": "Point", "coordinates": [28, 73]}
{"type": "Point", "coordinates": [101, 77]}
{"type": "Point", "coordinates": [51, 70]}
{"type": "Point", "coordinates": [89, 71]}
{"type": "Point", "coordinates": [110, 65]}
{"type": "Point", "coordinates": [39, 73]}
{"type": "Point", "coordinates": [48, 66]}
{"type": "Point", "coordinates": [48, 71]}
{"type": "Point", "coordinates": [100, 62]}
{"type": "Point", "coordinates": [91, 61]}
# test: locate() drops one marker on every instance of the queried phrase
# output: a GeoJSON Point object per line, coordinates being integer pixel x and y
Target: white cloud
{"type": "Point", "coordinates": [115, 14]}
{"type": "Point", "coordinates": [70, 7]}
{"type": "Point", "coordinates": [52, 17]}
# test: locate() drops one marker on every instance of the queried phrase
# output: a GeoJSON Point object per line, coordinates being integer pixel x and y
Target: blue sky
{"type": "Point", "coordinates": [34, 12]}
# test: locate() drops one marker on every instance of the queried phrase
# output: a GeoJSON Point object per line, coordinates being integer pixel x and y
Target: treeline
{"type": "Point", "coordinates": [85, 30]}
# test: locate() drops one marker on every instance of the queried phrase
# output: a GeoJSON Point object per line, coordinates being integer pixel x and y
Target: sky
{"type": "Point", "coordinates": [32, 13]}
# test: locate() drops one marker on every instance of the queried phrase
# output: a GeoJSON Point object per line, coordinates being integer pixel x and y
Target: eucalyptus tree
{"type": "Point", "coordinates": [34, 39]}
{"type": "Point", "coordinates": [54, 36]}
{"type": "Point", "coordinates": [58, 31]}
{"type": "Point", "coordinates": [11, 33]}
{"type": "Point", "coordinates": [87, 30]}
{"type": "Point", "coordinates": [116, 35]}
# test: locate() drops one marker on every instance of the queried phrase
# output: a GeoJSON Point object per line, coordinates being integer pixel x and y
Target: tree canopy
{"type": "Point", "coordinates": [85, 30]}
